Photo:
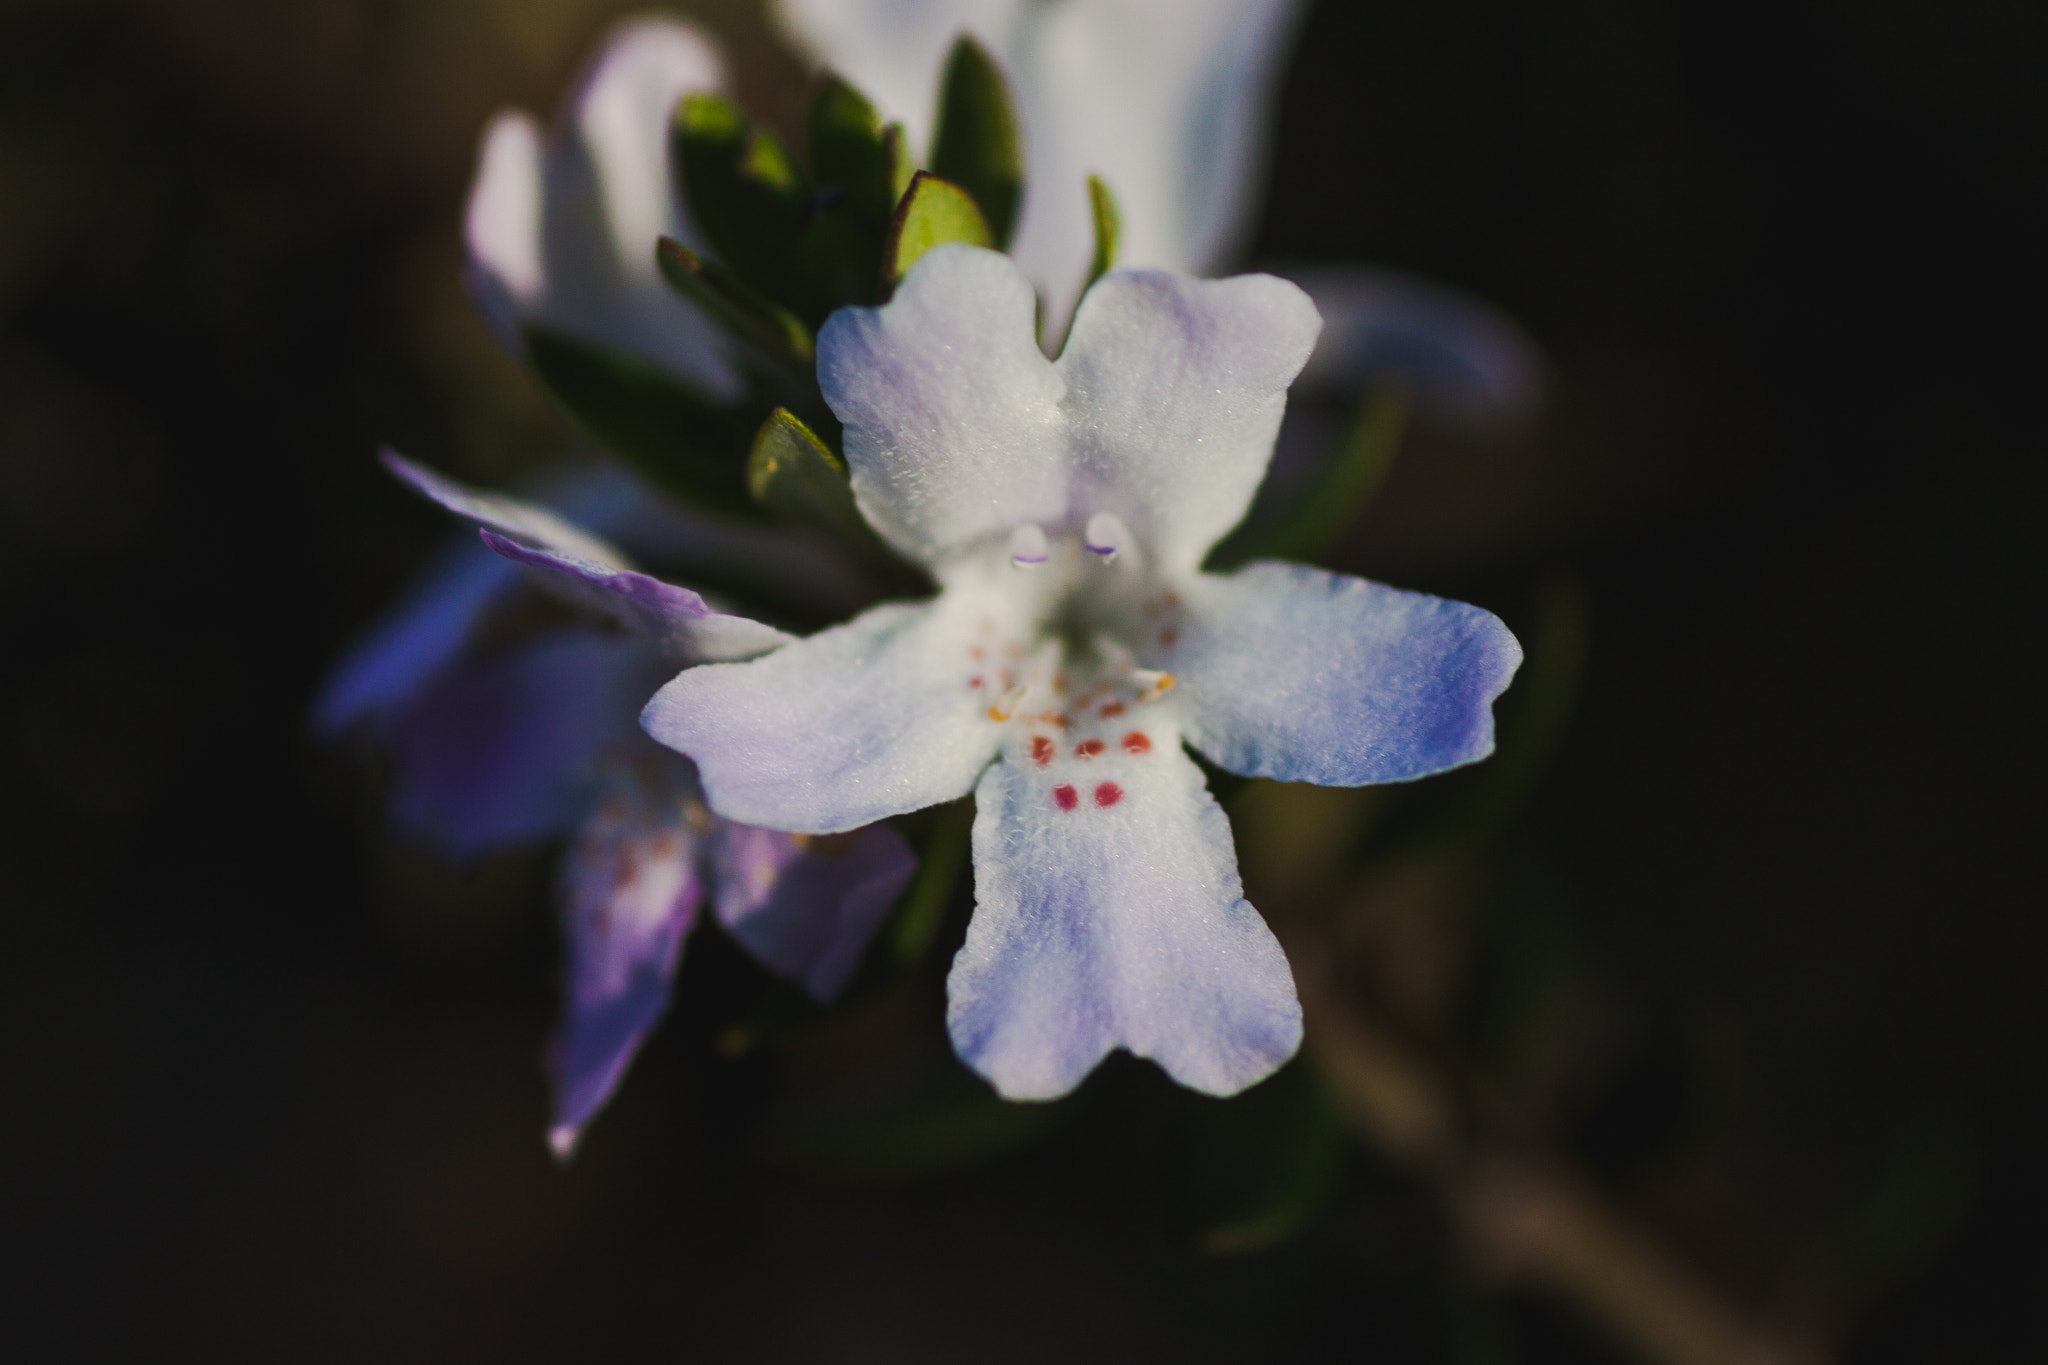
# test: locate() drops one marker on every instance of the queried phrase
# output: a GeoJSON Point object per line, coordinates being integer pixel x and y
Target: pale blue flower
{"type": "Point", "coordinates": [1065, 507]}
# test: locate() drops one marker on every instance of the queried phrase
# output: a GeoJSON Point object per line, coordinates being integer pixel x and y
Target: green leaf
{"type": "Point", "coordinates": [1266, 1163]}
{"type": "Point", "coordinates": [850, 152]}
{"type": "Point", "coordinates": [931, 894]}
{"type": "Point", "coordinates": [738, 309]}
{"type": "Point", "coordinates": [744, 192]}
{"type": "Point", "coordinates": [978, 145]}
{"type": "Point", "coordinates": [647, 416]}
{"type": "Point", "coordinates": [797, 476]}
{"type": "Point", "coordinates": [1345, 489]}
{"type": "Point", "coordinates": [933, 213]}
{"type": "Point", "coordinates": [861, 170]}
{"type": "Point", "coordinates": [1108, 229]}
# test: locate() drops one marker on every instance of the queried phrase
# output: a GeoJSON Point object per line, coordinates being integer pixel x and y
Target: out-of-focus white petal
{"type": "Point", "coordinates": [562, 229]}
{"type": "Point", "coordinates": [1175, 390]}
{"type": "Point", "coordinates": [951, 411]}
{"type": "Point", "coordinates": [1462, 359]}
{"type": "Point", "coordinates": [1108, 914]}
{"type": "Point", "coordinates": [1170, 101]}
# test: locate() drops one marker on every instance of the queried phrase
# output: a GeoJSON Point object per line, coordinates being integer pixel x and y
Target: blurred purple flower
{"type": "Point", "coordinates": [539, 739]}
{"type": "Point", "coordinates": [1065, 508]}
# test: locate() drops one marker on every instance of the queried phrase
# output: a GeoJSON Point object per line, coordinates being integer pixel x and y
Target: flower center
{"type": "Point", "coordinates": [1078, 668]}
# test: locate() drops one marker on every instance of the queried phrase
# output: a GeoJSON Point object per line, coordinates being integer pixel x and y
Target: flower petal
{"type": "Point", "coordinates": [807, 907]}
{"type": "Point", "coordinates": [508, 516]}
{"type": "Point", "coordinates": [562, 234]}
{"type": "Point", "coordinates": [1170, 101]}
{"type": "Point", "coordinates": [951, 412]}
{"type": "Point", "coordinates": [1464, 360]}
{"type": "Point", "coordinates": [1120, 924]}
{"type": "Point", "coordinates": [677, 619]}
{"type": "Point", "coordinates": [1305, 676]}
{"type": "Point", "coordinates": [630, 894]}
{"type": "Point", "coordinates": [1175, 389]}
{"type": "Point", "coordinates": [421, 635]}
{"type": "Point", "coordinates": [501, 750]}
{"type": "Point", "coordinates": [857, 723]}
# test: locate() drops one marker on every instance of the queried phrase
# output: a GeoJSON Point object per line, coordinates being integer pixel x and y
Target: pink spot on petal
{"type": "Point", "coordinates": [1041, 750]}
{"type": "Point", "coordinates": [975, 681]}
{"type": "Point", "coordinates": [1137, 742]}
{"type": "Point", "coordinates": [1108, 794]}
{"type": "Point", "coordinates": [1088, 748]}
{"type": "Point", "coordinates": [1111, 708]}
{"type": "Point", "coordinates": [1169, 637]}
{"type": "Point", "coordinates": [1065, 797]}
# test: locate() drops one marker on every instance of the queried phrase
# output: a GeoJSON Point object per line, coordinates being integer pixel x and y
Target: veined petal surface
{"type": "Point", "coordinates": [849, 726]}
{"type": "Point", "coordinates": [1108, 913]}
{"type": "Point", "coordinates": [806, 907]}
{"type": "Point", "coordinates": [1174, 393]}
{"type": "Point", "coordinates": [1305, 676]}
{"type": "Point", "coordinates": [951, 412]}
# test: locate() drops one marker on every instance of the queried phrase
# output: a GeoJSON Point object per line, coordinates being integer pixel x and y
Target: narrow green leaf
{"type": "Point", "coordinates": [797, 476]}
{"type": "Point", "coordinates": [933, 213]}
{"type": "Point", "coordinates": [744, 192]}
{"type": "Point", "coordinates": [738, 309]}
{"type": "Point", "coordinates": [938, 872]}
{"type": "Point", "coordinates": [1108, 229]}
{"type": "Point", "coordinates": [1352, 478]}
{"type": "Point", "coordinates": [978, 145]}
{"type": "Point", "coordinates": [676, 438]}
{"type": "Point", "coordinates": [849, 151]}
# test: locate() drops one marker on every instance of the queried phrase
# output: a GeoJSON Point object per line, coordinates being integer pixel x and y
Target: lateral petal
{"type": "Point", "coordinates": [866, 720]}
{"type": "Point", "coordinates": [1293, 673]}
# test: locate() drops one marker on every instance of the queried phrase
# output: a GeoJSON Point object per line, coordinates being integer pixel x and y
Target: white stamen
{"type": "Point", "coordinates": [1105, 535]}
{"type": "Point", "coordinates": [1027, 546]}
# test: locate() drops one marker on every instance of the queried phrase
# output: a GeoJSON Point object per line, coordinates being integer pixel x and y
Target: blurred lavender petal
{"type": "Point", "coordinates": [421, 635]}
{"type": "Point", "coordinates": [1464, 360]}
{"type": "Point", "coordinates": [630, 895]}
{"type": "Point", "coordinates": [501, 750]}
{"type": "Point", "coordinates": [806, 907]}
{"type": "Point", "coordinates": [524, 521]}
{"type": "Point", "coordinates": [675, 619]}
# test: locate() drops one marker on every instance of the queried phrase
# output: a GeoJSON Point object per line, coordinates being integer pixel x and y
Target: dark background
{"type": "Point", "coordinates": [272, 1084]}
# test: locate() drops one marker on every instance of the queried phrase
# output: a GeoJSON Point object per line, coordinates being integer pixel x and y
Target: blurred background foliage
{"type": "Point", "coordinates": [1733, 933]}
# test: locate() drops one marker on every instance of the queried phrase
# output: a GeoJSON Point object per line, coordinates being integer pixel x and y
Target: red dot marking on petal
{"type": "Point", "coordinates": [1088, 748]}
{"type": "Point", "coordinates": [1110, 709]}
{"type": "Point", "coordinates": [1065, 797]}
{"type": "Point", "coordinates": [1168, 638]}
{"type": "Point", "coordinates": [975, 681]}
{"type": "Point", "coordinates": [976, 652]}
{"type": "Point", "coordinates": [1041, 750]}
{"type": "Point", "coordinates": [1108, 794]}
{"type": "Point", "coordinates": [1137, 742]}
